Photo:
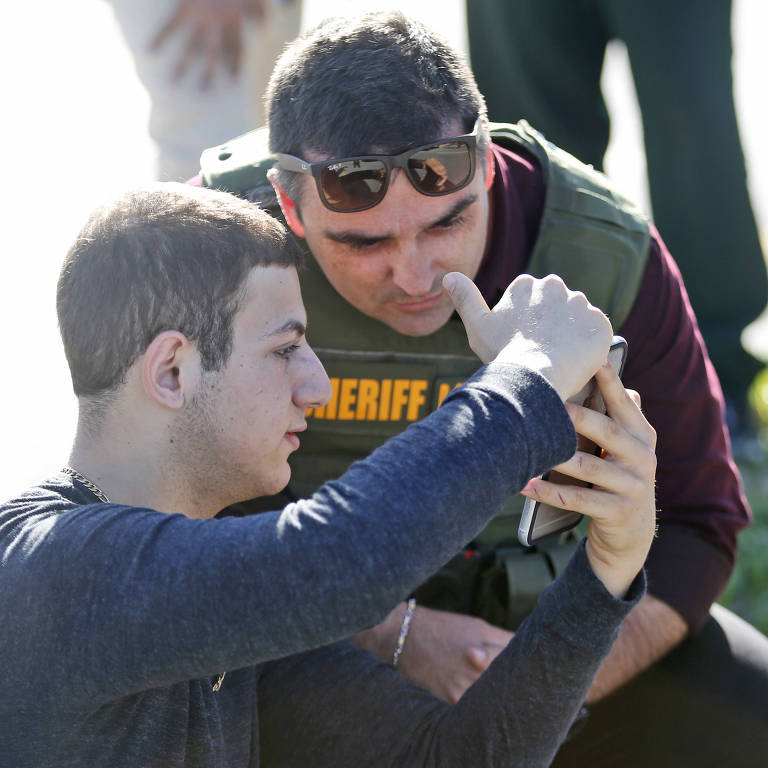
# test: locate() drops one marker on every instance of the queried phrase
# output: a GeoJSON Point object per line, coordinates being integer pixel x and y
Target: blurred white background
{"type": "Point", "coordinates": [74, 133]}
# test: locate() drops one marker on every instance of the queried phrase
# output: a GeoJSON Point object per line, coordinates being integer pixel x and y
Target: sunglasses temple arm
{"type": "Point", "coordinates": [291, 163]}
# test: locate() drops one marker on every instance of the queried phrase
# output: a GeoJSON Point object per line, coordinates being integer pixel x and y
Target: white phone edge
{"type": "Point", "coordinates": [527, 533]}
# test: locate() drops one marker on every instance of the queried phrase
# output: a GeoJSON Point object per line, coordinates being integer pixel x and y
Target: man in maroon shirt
{"type": "Point", "coordinates": [682, 683]}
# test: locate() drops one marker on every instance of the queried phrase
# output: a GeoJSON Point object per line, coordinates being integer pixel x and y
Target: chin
{"type": "Point", "coordinates": [278, 482]}
{"type": "Point", "coordinates": [266, 485]}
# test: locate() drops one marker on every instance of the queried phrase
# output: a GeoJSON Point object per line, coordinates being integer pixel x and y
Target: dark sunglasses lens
{"type": "Point", "coordinates": [351, 184]}
{"type": "Point", "coordinates": [441, 169]}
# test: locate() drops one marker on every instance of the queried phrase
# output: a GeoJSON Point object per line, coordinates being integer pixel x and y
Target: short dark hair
{"type": "Point", "coordinates": [379, 83]}
{"type": "Point", "coordinates": [165, 257]}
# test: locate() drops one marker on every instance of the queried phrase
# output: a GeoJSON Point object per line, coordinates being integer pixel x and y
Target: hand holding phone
{"type": "Point", "coordinates": [621, 502]}
{"type": "Point", "coordinates": [539, 519]}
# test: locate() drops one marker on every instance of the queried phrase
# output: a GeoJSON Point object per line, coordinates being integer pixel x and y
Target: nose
{"type": "Point", "coordinates": [412, 270]}
{"type": "Point", "coordinates": [312, 387]}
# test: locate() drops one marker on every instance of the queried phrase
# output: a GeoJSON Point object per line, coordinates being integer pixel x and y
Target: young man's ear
{"type": "Point", "coordinates": [170, 369]}
{"type": "Point", "coordinates": [490, 167]}
{"type": "Point", "coordinates": [288, 206]}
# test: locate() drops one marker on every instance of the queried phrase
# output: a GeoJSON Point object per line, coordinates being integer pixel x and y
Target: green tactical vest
{"type": "Point", "coordinates": [590, 235]}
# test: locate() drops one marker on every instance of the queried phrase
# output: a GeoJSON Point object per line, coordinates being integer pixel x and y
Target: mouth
{"type": "Point", "coordinates": [293, 438]}
{"type": "Point", "coordinates": [420, 305]}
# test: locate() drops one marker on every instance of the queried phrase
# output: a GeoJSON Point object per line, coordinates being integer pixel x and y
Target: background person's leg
{"type": "Point", "coordinates": [704, 705]}
{"type": "Point", "coordinates": [541, 60]}
{"type": "Point", "coordinates": [680, 55]}
{"type": "Point", "coordinates": [184, 119]}
{"type": "Point", "coordinates": [265, 43]}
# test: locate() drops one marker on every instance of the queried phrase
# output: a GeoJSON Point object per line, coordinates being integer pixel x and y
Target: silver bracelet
{"type": "Point", "coordinates": [406, 625]}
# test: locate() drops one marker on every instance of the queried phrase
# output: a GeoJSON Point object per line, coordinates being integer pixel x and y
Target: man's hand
{"type": "Point", "coordinates": [445, 652]}
{"type": "Point", "coordinates": [537, 323]}
{"type": "Point", "coordinates": [214, 33]}
{"type": "Point", "coordinates": [621, 503]}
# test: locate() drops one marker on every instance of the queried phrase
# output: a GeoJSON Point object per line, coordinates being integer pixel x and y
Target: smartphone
{"type": "Point", "coordinates": [541, 520]}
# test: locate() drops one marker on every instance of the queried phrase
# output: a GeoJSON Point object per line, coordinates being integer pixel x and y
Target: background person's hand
{"type": "Point", "coordinates": [621, 504]}
{"type": "Point", "coordinates": [538, 323]}
{"type": "Point", "coordinates": [213, 30]}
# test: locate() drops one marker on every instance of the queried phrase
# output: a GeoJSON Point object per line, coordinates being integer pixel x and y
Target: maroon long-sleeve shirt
{"type": "Point", "coordinates": [700, 498]}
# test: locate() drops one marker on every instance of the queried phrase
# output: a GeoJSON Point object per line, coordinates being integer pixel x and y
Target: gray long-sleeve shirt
{"type": "Point", "coordinates": [338, 706]}
{"type": "Point", "coordinates": [116, 619]}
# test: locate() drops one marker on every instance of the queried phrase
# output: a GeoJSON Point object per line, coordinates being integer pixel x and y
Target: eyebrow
{"type": "Point", "coordinates": [290, 325]}
{"type": "Point", "coordinates": [353, 237]}
{"type": "Point", "coordinates": [461, 206]}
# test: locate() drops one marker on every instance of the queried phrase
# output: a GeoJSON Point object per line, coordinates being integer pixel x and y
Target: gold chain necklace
{"type": "Point", "coordinates": [101, 496]}
{"type": "Point", "coordinates": [92, 487]}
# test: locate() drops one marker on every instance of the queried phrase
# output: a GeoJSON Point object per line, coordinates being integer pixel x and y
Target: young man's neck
{"type": "Point", "coordinates": [127, 466]}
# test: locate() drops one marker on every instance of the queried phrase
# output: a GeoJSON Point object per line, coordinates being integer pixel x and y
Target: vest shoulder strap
{"type": "Point", "coordinates": [240, 166]}
{"type": "Point", "coordinates": [590, 234]}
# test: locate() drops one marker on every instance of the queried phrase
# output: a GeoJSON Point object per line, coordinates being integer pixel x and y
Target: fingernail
{"type": "Point", "coordinates": [528, 488]}
{"type": "Point", "coordinates": [449, 283]}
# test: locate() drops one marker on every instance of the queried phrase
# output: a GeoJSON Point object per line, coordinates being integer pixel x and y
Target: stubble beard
{"type": "Point", "coordinates": [203, 472]}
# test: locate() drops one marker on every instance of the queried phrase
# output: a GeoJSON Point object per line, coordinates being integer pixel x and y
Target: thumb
{"type": "Point", "coordinates": [466, 298]}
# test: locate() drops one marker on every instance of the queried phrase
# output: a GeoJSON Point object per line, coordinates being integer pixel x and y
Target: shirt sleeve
{"type": "Point", "coordinates": [340, 706]}
{"type": "Point", "coordinates": [142, 599]}
{"type": "Point", "coordinates": [700, 499]}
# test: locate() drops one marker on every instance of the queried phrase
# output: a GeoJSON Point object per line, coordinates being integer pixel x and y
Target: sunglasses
{"type": "Point", "coordinates": [357, 183]}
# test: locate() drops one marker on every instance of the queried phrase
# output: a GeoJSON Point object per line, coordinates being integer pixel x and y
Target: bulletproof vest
{"type": "Point", "coordinates": [590, 235]}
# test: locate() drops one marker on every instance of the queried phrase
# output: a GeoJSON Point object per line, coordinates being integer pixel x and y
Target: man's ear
{"type": "Point", "coordinates": [170, 369]}
{"type": "Point", "coordinates": [490, 168]}
{"type": "Point", "coordinates": [288, 206]}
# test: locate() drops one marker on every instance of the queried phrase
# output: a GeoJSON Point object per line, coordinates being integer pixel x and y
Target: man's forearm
{"type": "Point", "coordinates": [650, 631]}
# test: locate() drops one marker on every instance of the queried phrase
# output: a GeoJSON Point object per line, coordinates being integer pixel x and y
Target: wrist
{"type": "Point", "coordinates": [405, 627]}
{"type": "Point", "coordinates": [616, 578]}
{"type": "Point", "coordinates": [381, 639]}
{"type": "Point", "coordinates": [521, 351]}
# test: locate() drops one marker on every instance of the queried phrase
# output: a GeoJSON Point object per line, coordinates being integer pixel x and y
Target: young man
{"type": "Point", "coordinates": [385, 166]}
{"type": "Point", "coordinates": [124, 603]}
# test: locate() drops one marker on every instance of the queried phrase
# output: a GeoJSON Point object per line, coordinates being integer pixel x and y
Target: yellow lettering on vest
{"type": "Point", "coordinates": [367, 400]}
{"type": "Point", "coordinates": [442, 393]}
{"type": "Point", "coordinates": [399, 398]}
{"type": "Point", "coordinates": [347, 399]}
{"type": "Point", "coordinates": [333, 403]}
{"type": "Point", "coordinates": [416, 399]}
{"type": "Point", "coordinates": [386, 394]}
